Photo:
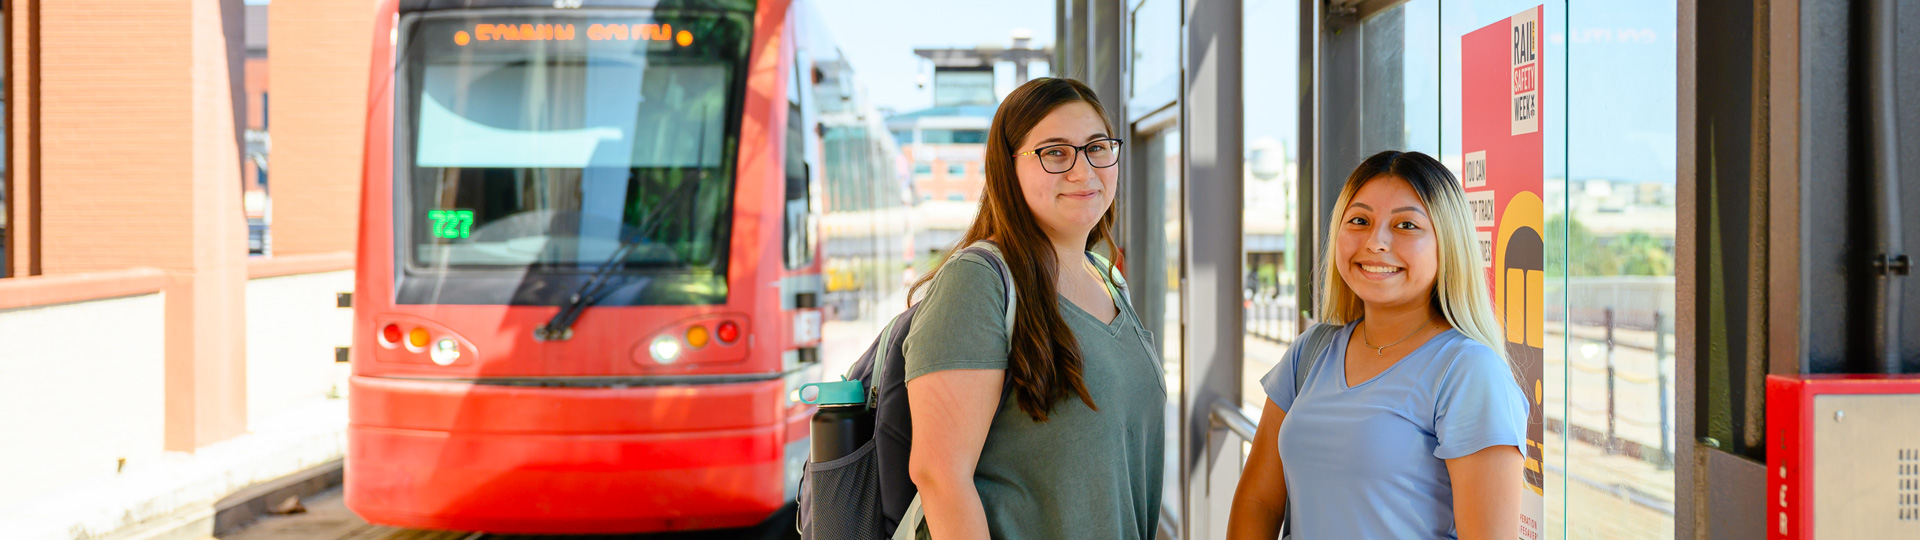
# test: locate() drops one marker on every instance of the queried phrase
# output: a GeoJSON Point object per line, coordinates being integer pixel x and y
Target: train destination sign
{"type": "Point", "coordinates": [451, 224]}
{"type": "Point", "coordinates": [570, 32]}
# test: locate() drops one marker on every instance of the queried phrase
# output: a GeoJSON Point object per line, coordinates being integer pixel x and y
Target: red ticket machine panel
{"type": "Point", "coordinates": [1843, 460]}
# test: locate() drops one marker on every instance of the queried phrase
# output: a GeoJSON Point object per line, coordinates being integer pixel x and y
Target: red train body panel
{"type": "Point", "coordinates": [588, 434]}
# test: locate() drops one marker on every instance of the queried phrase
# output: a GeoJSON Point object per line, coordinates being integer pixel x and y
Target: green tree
{"type": "Point", "coordinates": [1641, 254]}
{"type": "Point", "coordinates": [1584, 254]}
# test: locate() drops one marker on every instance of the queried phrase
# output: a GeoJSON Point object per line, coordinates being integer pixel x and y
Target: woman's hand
{"type": "Point", "coordinates": [1486, 493]}
{"type": "Point", "coordinates": [1261, 498]}
{"type": "Point", "coordinates": [951, 413]}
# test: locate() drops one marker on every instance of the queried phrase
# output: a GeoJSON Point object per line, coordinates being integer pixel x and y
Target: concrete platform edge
{"type": "Point", "coordinates": [242, 508]}
{"type": "Point", "coordinates": [174, 496]}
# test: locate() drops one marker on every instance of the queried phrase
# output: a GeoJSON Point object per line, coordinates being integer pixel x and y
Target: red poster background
{"type": "Point", "coordinates": [1498, 79]}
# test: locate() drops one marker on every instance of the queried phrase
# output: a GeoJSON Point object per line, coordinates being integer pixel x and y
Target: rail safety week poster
{"type": "Point", "coordinates": [1502, 171]}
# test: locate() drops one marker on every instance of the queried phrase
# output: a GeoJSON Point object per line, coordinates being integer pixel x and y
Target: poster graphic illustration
{"type": "Point", "coordinates": [1501, 84]}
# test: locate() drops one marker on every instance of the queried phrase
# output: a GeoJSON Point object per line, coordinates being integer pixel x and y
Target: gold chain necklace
{"type": "Point", "coordinates": [1382, 350]}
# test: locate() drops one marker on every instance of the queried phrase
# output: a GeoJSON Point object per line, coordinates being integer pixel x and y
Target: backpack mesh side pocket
{"type": "Point", "coordinates": [842, 498]}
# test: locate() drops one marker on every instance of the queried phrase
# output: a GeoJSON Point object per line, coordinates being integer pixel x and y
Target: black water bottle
{"type": "Point", "coordinates": [839, 430]}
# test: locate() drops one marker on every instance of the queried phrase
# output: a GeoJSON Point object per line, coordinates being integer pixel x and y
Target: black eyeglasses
{"type": "Point", "coordinates": [1058, 158]}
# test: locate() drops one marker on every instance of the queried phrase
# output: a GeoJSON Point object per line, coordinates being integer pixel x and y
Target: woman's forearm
{"type": "Point", "coordinates": [954, 511]}
{"type": "Point", "coordinates": [1253, 518]}
{"type": "Point", "coordinates": [1260, 500]}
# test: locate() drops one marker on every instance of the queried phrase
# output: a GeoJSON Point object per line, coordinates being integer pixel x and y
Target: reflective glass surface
{"type": "Point", "coordinates": [550, 153]}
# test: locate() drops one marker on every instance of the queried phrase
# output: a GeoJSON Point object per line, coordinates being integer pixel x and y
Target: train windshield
{"type": "Point", "coordinates": [547, 143]}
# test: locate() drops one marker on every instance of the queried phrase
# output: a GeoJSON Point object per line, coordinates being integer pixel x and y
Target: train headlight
{"type": "Point", "coordinates": [665, 349]}
{"type": "Point", "coordinates": [445, 351]}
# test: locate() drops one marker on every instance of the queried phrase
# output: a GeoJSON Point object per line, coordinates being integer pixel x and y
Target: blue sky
{"type": "Point", "coordinates": [1618, 105]}
{"type": "Point", "coordinates": [878, 38]}
{"type": "Point", "coordinates": [1613, 115]}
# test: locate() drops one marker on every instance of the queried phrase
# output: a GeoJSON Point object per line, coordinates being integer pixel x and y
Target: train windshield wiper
{"type": "Point", "coordinates": [560, 327]}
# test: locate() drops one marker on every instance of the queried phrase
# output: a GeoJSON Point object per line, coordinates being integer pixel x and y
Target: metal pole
{"type": "Point", "coordinates": [1883, 130]}
{"type": "Point", "coordinates": [1610, 410]}
{"type": "Point", "coordinates": [1660, 373]}
{"type": "Point", "coordinates": [1211, 236]}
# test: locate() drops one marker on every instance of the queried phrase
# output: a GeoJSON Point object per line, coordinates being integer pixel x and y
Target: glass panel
{"type": "Point", "coordinates": [1617, 219]}
{"type": "Point", "coordinates": [963, 86]}
{"type": "Point", "coordinates": [1164, 185]}
{"type": "Point", "coordinates": [1527, 293]}
{"type": "Point", "coordinates": [1155, 69]}
{"type": "Point", "coordinates": [1609, 221]}
{"type": "Point", "coordinates": [1398, 83]}
{"type": "Point", "coordinates": [535, 150]}
{"type": "Point", "coordinates": [1270, 295]}
{"type": "Point", "coordinates": [1420, 62]}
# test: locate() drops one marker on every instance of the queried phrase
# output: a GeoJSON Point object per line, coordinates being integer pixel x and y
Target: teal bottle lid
{"type": "Point", "coordinates": [834, 393]}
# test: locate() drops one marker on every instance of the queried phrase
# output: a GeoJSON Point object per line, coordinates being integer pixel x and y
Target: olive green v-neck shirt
{"type": "Point", "coordinates": [1083, 473]}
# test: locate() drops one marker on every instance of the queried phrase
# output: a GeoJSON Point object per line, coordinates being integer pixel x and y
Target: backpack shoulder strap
{"type": "Point", "coordinates": [1115, 280]}
{"type": "Point", "coordinates": [1314, 343]}
{"type": "Point", "coordinates": [1113, 272]}
{"type": "Point", "coordinates": [909, 527]}
{"type": "Point", "coordinates": [879, 363]}
{"type": "Point", "coordinates": [991, 252]}
{"type": "Point", "coordinates": [915, 516]}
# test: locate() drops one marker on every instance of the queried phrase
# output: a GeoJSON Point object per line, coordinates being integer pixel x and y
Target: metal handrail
{"type": "Point", "coordinates": [1169, 523]}
{"type": "Point", "coordinates": [1222, 414]}
{"type": "Point", "coordinates": [1225, 414]}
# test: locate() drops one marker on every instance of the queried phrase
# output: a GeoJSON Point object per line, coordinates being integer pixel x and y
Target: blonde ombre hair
{"type": "Point", "coordinates": [1460, 291]}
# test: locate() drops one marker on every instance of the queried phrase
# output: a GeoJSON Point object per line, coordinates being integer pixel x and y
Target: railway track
{"type": "Point", "coordinates": [327, 518]}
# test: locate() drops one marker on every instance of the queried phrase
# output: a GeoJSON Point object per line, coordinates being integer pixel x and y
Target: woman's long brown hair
{"type": "Point", "coordinates": [1043, 358]}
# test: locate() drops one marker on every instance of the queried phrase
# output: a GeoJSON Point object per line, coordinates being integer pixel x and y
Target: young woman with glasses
{"type": "Point", "coordinates": [1054, 430]}
{"type": "Point", "coordinates": [1410, 424]}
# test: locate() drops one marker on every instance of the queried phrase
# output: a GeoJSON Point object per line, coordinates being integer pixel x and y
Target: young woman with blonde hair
{"type": "Point", "coordinates": [1410, 423]}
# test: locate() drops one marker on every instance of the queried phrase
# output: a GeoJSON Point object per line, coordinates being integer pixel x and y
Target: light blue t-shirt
{"type": "Point", "coordinates": [1368, 461]}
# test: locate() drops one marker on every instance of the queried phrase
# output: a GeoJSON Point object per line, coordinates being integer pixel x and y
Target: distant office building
{"type": "Point", "coordinates": [944, 146]}
{"type": "Point", "coordinates": [944, 143]}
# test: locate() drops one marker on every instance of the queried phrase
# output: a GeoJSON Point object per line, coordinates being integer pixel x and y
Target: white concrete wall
{"type": "Point", "coordinates": [293, 325]}
{"type": "Point", "coordinates": [82, 385]}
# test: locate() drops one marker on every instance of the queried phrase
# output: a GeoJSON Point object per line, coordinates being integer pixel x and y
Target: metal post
{"type": "Point", "coordinates": [1660, 374]}
{"type": "Point", "coordinates": [1611, 440]}
{"type": "Point", "coordinates": [1214, 155]}
{"type": "Point", "coordinates": [1883, 134]}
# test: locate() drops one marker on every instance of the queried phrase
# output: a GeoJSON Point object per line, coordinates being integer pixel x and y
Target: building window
{"type": "Point", "coordinates": [903, 137]}
{"type": "Point", "coordinates": [800, 232]}
{"type": "Point", "coordinates": [956, 196]}
{"type": "Point", "coordinates": [922, 169]}
{"type": "Point", "coordinates": [955, 170]}
{"type": "Point", "coordinates": [969, 136]}
{"type": "Point", "coordinates": [953, 136]}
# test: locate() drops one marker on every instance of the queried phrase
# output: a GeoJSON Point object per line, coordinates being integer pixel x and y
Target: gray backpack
{"type": "Point", "coordinates": [867, 494]}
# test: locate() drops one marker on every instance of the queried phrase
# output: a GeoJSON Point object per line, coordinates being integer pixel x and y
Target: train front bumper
{"type": "Point", "coordinates": [516, 459]}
